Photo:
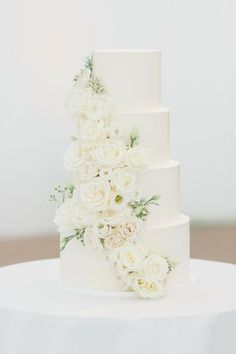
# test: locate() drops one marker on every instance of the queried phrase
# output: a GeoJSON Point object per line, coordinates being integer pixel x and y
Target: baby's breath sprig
{"type": "Point", "coordinates": [79, 235]}
{"type": "Point", "coordinates": [60, 194]}
{"type": "Point", "coordinates": [94, 82]}
{"type": "Point", "coordinates": [140, 207]}
{"type": "Point", "coordinates": [96, 85]}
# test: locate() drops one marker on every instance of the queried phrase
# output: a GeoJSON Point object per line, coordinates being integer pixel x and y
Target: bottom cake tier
{"type": "Point", "coordinates": [82, 269]}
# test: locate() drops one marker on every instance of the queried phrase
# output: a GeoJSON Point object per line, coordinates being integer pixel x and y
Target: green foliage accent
{"type": "Point", "coordinates": [88, 64]}
{"type": "Point", "coordinates": [141, 207]}
{"type": "Point", "coordinates": [73, 138]}
{"type": "Point", "coordinates": [60, 194]}
{"type": "Point", "coordinates": [171, 264]}
{"type": "Point", "coordinates": [133, 138]}
{"type": "Point", "coordinates": [79, 236]}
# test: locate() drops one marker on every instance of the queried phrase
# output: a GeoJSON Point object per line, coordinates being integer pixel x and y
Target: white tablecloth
{"type": "Point", "coordinates": [38, 317]}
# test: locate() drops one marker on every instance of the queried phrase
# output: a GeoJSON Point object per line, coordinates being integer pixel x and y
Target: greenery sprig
{"type": "Point", "coordinates": [140, 207]}
{"type": "Point", "coordinates": [60, 194]}
{"type": "Point", "coordinates": [79, 235]}
{"type": "Point", "coordinates": [171, 264]}
{"type": "Point", "coordinates": [93, 82]}
{"type": "Point", "coordinates": [88, 64]}
{"type": "Point", "coordinates": [133, 138]}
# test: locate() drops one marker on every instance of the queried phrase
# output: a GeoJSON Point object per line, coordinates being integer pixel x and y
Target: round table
{"type": "Point", "coordinates": [38, 317]}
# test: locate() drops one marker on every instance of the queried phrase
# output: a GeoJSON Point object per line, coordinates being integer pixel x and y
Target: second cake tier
{"type": "Point", "coordinates": [152, 129]}
{"type": "Point", "coordinates": [165, 182]}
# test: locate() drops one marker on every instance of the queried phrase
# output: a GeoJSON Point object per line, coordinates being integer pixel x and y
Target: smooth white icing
{"type": "Point", "coordinates": [153, 131]}
{"type": "Point", "coordinates": [132, 78]}
{"type": "Point", "coordinates": [162, 180]}
{"type": "Point", "coordinates": [81, 268]}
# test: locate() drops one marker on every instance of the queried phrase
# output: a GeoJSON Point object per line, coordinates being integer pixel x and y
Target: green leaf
{"type": "Point", "coordinates": [133, 138]}
{"type": "Point", "coordinates": [88, 64]}
{"type": "Point", "coordinates": [79, 235]}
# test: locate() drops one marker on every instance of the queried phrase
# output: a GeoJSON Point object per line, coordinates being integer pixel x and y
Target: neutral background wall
{"type": "Point", "coordinates": [42, 43]}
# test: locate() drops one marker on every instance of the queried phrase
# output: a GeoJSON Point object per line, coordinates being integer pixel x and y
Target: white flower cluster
{"type": "Point", "coordinates": [103, 209]}
{"type": "Point", "coordinates": [140, 270]}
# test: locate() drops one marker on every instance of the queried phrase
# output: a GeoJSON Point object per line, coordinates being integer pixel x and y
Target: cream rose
{"type": "Point", "coordinates": [147, 287]}
{"type": "Point", "coordinates": [124, 180]}
{"type": "Point", "coordinates": [129, 227]}
{"type": "Point", "coordinates": [95, 194]}
{"type": "Point", "coordinates": [137, 157]}
{"type": "Point", "coordinates": [155, 267]}
{"type": "Point", "coordinates": [88, 170]}
{"type": "Point", "coordinates": [114, 240]}
{"type": "Point", "coordinates": [111, 153]}
{"type": "Point", "coordinates": [75, 156]}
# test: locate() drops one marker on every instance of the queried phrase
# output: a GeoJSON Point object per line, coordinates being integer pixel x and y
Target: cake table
{"type": "Point", "coordinates": [38, 317]}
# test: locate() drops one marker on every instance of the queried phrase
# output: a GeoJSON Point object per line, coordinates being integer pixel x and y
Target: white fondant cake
{"type": "Point", "coordinates": [132, 80]}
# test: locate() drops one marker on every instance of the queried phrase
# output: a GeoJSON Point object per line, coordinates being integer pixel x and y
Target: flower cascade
{"type": "Point", "coordinates": [104, 208]}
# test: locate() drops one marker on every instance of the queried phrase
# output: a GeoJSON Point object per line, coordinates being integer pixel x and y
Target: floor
{"type": "Point", "coordinates": [214, 243]}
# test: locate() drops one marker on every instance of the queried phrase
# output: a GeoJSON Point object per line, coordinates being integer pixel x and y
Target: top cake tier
{"type": "Point", "coordinates": [131, 78]}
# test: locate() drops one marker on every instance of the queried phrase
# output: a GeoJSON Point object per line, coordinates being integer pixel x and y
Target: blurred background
{"type": "Point", "coordinates": [42, 46]}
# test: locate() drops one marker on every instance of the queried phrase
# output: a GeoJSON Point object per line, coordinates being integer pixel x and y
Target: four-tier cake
{"type": "Point", "coordinates": [119, 218]}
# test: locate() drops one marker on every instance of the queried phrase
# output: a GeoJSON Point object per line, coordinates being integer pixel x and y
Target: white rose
{"type": "Point", "coordinates": [91, 241]}
{"type": "Point", "coordinates": [99, 107]}
{"type": "Point", "coordinates": [102, 229]}
{"type": "Point", "coordinates": [155, 267]}
{"type": "Point", "coordinates": [114, 131]}
{"type": "Point", "coordinates": [125, 180]}
{"type": "Point", "coordinates": [137, 157]}
{"type": "Point", "coordinates": [111, 153]}
{"type": "Point", "coordinates": [92, 132]}
{"type": "Point", "coordinates": [115, 216]}
{"type": "Point", "coordinates": [95, 194]}
{"type": "Point", "coordinates": [78, 100]}
{"type": "Point", "coordinates": [75, 156]}
{"type": "Point", "coordinates": [70, 216]}
{"type": "Point", "coordinates": [147, 287]}
{"type": "Point", "coordinates": [88, 171]}
{"type": "Point", "coordinates": [106, 173]}
{"type": "Point", "coordinates": [131, 258]}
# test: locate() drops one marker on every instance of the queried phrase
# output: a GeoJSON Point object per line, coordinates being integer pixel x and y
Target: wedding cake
{"type": "Point", "coordinates": [119, 218]}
